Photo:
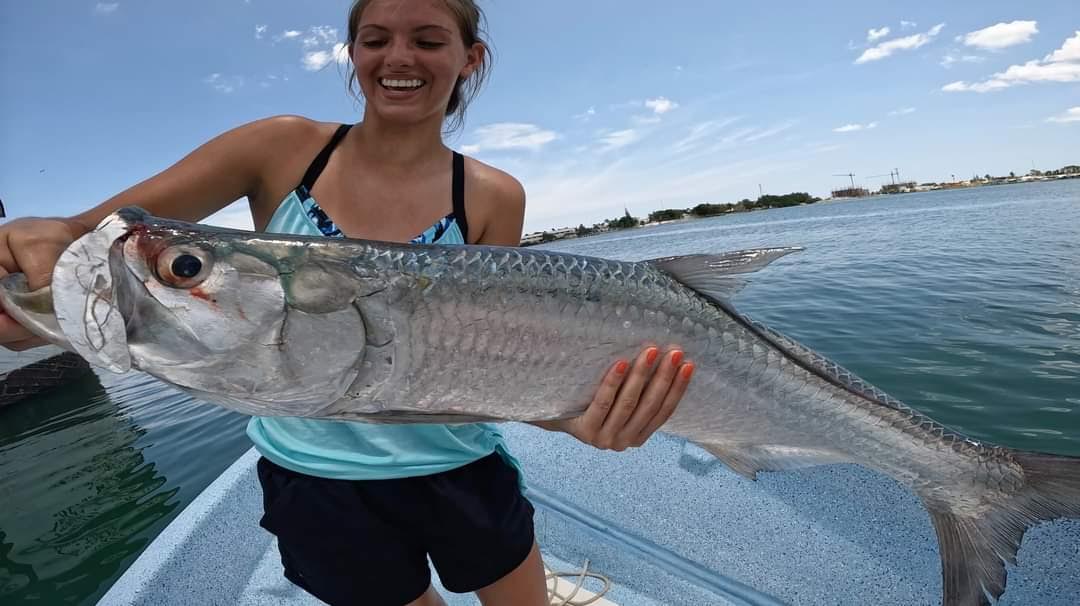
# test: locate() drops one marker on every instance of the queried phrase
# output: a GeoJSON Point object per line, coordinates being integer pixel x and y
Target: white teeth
{"type": "Point", "coordinates": [401, 83]}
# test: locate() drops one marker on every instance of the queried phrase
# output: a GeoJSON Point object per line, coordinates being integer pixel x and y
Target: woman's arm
{"type": "Point", "coordinates": [242, 162]}
{"type": "Point", "coordinates": [238, 163]}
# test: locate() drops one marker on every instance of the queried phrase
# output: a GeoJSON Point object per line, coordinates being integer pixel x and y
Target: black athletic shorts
{"type": "Point", "coordinates": [367, 542]}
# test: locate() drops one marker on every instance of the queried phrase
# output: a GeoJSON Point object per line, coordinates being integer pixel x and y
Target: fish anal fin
{"type": "Point", "coordinates": [719, 275]}
{"type": "Point", "coordinates": [971, 571]}
{"type": "Point", "coordinates": [748, 459]}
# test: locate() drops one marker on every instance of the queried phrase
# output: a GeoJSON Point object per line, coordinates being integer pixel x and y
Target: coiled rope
{"type": "Point", "coordinates": [581, 575]}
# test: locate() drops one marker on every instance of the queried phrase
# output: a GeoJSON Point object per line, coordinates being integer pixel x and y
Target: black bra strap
{"type": "Point", "coordinates": [459, 196]}
{"type": "Point", "coordinates": [319, 163]}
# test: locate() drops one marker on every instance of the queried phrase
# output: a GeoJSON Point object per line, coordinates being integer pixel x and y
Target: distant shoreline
{"type": "Point", "coordinates": [568, 233]}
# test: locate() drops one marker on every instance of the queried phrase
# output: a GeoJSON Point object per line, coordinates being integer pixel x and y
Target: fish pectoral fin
{"type": "Point", "coordinates": [719, 276]}
{"type": "Point", "coordinates": [748, 459]}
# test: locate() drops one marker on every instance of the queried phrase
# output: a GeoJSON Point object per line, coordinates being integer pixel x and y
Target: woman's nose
{"type": "Point", "coordinates": [399, 54]}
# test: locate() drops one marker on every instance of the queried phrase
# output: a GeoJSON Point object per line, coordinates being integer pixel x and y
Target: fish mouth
{"type": "Point", "coordinates": [86, 282]}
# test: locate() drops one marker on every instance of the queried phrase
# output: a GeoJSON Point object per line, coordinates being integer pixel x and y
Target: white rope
{"type": "Point", "coordinates": [553, 594]}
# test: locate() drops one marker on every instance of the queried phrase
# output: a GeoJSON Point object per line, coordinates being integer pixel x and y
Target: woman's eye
{"type": "Point", "coordinates": [372, 43]}
{"type": "Point", "coordinates": [429, 44]}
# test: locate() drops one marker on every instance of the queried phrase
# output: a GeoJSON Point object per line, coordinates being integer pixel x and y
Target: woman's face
{"type": "Point", "coordinates": [408, 56]}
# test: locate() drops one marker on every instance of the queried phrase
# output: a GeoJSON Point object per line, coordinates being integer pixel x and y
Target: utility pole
{"type": "Point", "coordinates": [760, 191]}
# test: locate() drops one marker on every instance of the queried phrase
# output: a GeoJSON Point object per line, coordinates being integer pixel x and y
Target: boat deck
{"type": "Point", "coordinates": [666, 522]}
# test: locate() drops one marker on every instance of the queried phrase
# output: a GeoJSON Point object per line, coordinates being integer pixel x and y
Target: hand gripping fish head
{"type": "Point", "coordinates": [210, 311]}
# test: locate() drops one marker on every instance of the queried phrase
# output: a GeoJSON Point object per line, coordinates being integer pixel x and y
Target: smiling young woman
{"type": "Point", "coordinates": [359, 508]}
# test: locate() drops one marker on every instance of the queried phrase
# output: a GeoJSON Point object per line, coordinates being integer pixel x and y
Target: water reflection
{"type": "Point", "coordinates": [78, 493]}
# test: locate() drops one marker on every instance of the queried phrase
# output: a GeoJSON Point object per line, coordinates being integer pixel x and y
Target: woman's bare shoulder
{"type": "Point", "coordinates": [288, 128]}
{"type": "Point", "coordinates": [496, 204]}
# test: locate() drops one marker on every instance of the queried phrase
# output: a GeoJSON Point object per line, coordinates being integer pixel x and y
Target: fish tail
{"type": "Point", "coordinates": [974, 550]}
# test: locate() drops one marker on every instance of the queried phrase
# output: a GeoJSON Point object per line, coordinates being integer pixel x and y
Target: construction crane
{"type": "Point", "coordinates": [893, 174]}
{"type": "Point", "coordinates": [850, 176]}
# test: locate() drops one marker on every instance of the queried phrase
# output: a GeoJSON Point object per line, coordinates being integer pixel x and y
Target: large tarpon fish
{"type": "Point", "coordinates": [383, 332]}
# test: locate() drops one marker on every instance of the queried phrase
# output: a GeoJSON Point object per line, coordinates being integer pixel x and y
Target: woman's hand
{"type": "Point", "coordinates": [31, 246]}
{"type": "Point", "coordinates": [633, 401]}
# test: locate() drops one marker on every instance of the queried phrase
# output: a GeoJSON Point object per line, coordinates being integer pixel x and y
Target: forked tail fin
{"type": "Point", "coordinates": [974, 550]}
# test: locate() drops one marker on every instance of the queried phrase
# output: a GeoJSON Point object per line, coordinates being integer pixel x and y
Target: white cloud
{"type": "Point", "coordinates": [320, 44]}
{"type": "Point", "coordinates": [1070, 51]}
{"type": "Point", "coordinates": [769, 132]}
{"type": "Point", "coordinates": [1071, 115]}
{"type": "Point", "coordinates": [902, 111]}
{"type": "Point", "coordinates": [1062, 65]}
{"type": "Point", "coordinates": [1001, 35]}
{"type": "Point", "coordinates": [889, 47]}
{"type": "Point", "coordinates": [569, 193]}
{"type": "Point", "coordinates": [509, 135]}
{"type": "Point", "coordinates": [260, 30]}
{"type": "Point", "coordinates": [320, 35]}
{"type": "Point", "coordinates": [587, 114]}
{"type": "Point", "coordinates": [104, 8]}
{"type": "Point", "coordinates": [619, 138]}
{"type": "Point", "coordinates": [341, 53]}
{"type": "Point", "coordinates": [948, 60]}
{"type": "Point", "coordinates": [907, 24]}
{"type": "Point", "coordinates": [313, 61]}
{"type": "Point", "coordinates": [701, 132]}
{"type": "Point", "coordinates": [850, 128]}
{"type": "Point", "coordinates": [661, 105]}
{"type": "Point", "coordinates": [224, 84]}
{"type": "Point", "coordinates": [874, 35]}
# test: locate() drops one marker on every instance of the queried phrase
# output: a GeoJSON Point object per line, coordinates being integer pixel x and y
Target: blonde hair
{"type": "Point", "coordinates": [470, 20]}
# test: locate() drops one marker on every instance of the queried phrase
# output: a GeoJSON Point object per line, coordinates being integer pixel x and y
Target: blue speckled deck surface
{"type": "Point", "coordinates": [669, 524]}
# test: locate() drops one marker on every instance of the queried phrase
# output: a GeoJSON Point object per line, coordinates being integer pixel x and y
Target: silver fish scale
{"type": "Point", "coordinates": [533, 330]}
{"type": "Point", "coordinates": [549, 303]}
{"type": "Point", "coordinates": [860, 387]}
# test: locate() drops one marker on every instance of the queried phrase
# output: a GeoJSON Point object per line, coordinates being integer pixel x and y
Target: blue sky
{"type": "Point", "coordinates": [595, 105]}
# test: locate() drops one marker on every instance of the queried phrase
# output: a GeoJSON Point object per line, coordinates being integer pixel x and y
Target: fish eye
{"type": "Point", "coordinates": [186, 266]}
{"type": "Point", "coordinates": [183, 266]}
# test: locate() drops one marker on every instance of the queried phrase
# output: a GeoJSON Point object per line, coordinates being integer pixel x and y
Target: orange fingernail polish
{"type": "Point", "coordinates": [650, 357]}
{"type": "Point", "coordinates": [676, 357]}
{"type": "Point", "coordinates": [621, 366]}
{"type": "Point", "coordinates": [687, 371]}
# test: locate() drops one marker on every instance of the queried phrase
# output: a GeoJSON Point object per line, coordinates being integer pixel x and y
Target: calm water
{"type": "Point", "coordinates": [965, 304]}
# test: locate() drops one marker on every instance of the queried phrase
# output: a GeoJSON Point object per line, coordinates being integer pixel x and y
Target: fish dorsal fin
{"type": "Point", "coordinates": [719, 276]}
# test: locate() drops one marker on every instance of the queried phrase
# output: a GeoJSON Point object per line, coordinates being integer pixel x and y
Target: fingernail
{"type": "Point", "coordinates": [687, 370]}
{"type": "Point", "coordinates": [676, 357]}
{"type": "Point", "coordinates": [622, 366]}
{"type": "Point", "coordinates": [650, 357]}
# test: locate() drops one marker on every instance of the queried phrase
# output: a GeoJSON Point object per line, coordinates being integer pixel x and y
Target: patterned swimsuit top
{"type": "Point", "coordinates": [451, 229]}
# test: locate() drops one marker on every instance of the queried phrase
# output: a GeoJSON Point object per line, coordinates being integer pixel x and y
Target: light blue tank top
{"type": "Point", "coordinates": [348, 450]}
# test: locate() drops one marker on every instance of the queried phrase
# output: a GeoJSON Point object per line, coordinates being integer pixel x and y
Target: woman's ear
{"type": "Point", "coordinates": [474, 58]}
